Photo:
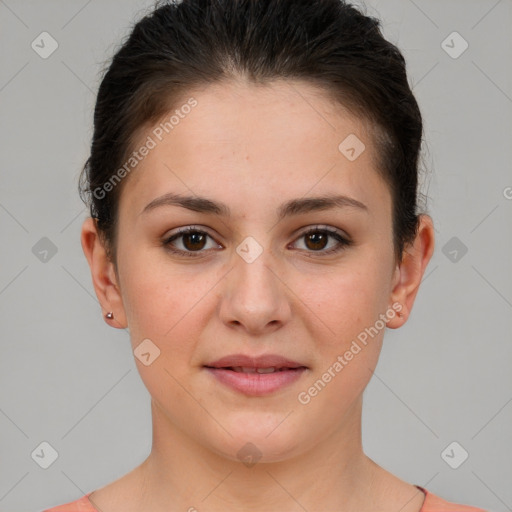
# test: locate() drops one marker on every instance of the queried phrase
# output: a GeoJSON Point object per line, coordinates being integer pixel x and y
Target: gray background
{"type": "Point", "coordinates": [70, 380]}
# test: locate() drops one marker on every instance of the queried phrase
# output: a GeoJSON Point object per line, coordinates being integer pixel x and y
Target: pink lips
{"type": "Point", "coordinates": [256, 376]}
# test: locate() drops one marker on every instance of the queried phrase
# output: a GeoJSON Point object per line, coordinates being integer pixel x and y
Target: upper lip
{"type": "Point", "coordinates": [263, 361]}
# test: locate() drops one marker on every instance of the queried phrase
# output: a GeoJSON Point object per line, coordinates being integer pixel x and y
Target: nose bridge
{"type": "Point", "coordinates": [254, 296]}
{"type": "Point", "coordinates": [254, 276]}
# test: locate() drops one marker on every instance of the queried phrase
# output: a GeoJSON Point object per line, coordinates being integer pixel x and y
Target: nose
{"type": "Point", "coordinates": [255, 298]}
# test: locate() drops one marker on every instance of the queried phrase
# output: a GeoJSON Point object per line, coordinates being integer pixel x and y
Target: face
{"type": "Point", "coordinates": [250, 281]}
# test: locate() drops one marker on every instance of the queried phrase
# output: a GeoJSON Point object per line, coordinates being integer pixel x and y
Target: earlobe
{"type": "Point", "coordinates": [409, 273]}
{"type": "Point", "coordinates": [103, 275]}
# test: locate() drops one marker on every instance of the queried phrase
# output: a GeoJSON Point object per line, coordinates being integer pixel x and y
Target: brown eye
{"type": "Point", "coordinates": [194, 241]}
{"type": "Point", "coordinates": [316, 240]}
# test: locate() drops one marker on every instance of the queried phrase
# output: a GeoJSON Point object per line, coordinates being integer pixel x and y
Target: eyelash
{"type": "Point", "coordinates": [343, 242]}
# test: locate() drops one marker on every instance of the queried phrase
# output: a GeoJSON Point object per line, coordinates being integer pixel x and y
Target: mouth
{"type": "Point", "coordinates": [266, 363]}
{"type": "Point", "coordinates": [256, 376]}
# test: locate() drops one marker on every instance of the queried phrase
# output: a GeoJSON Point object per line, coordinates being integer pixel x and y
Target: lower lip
{"type": "Point", "coordinates": [256, 384]}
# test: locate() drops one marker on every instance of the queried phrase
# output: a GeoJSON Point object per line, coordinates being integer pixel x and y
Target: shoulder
{"type": "Point", "coordinates": [434, 503]}
{"type": "Point", "coordinates": [81, 505]}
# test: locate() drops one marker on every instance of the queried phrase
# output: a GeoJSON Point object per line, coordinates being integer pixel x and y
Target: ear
{"type": "Point", "coordinates": [409, 273]}
{"type": "Point", "coordinates": [103, 274]}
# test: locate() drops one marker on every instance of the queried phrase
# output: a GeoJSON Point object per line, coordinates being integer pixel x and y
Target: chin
{"type": "Point", "coordinates": [260, 437]}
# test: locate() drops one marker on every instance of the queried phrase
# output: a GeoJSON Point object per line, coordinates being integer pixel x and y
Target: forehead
{"type": "Point", "coordinates": [250, 144]}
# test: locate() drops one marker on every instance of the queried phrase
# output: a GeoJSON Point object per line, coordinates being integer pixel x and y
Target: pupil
{"type": "Point", "coordinates": [317, 239]}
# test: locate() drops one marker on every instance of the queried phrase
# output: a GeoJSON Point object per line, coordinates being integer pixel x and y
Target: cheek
{"type": "Point", "coordinates": [343, 313]}
{"type": "Point", "coordinates": [162, 305]}
{"type": "Point", "coordinates": [155, 295]}
{"type": "Point", "coordinates": [344, 309]}
{"type": "Point", "coordinates": [344, 301]}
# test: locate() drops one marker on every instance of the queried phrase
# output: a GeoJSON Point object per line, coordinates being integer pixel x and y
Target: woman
{"type": "Point", "coordinates": [252, 186]}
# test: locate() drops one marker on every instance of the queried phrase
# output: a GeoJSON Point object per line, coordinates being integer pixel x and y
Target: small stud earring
{"type": "Point", "coordinates": [109, 315]}
{"type": "Point", "coordinates": [400, 314]}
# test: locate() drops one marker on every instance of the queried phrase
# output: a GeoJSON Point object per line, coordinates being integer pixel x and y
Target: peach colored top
{"type": "Point", "coordinates": [432, 503]}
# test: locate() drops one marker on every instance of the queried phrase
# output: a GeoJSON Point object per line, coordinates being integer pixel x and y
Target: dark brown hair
{"type": "Point", "coordinates": [189, 44]}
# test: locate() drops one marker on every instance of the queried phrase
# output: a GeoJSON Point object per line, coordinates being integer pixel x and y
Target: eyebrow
{"type": "Point", "coordinates": [287, 209]}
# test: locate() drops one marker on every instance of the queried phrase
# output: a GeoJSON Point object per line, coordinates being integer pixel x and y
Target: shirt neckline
{"type": "Point", "coordinates": [422, 509]}
{"type": "Point", "coordinates": [425, 499]}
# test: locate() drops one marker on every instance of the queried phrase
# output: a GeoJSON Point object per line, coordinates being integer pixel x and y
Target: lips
{"type": "Point", "coordinates": [256, 376]}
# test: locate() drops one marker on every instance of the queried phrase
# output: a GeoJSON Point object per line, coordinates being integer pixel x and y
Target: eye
{"type": "Point", "coordinates": [317, 239]}
{"type": "Point", "coordinates": [192, 239]}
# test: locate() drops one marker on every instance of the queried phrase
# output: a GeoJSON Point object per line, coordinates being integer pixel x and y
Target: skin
{"type": "Point", "coordinates": [253, 148]}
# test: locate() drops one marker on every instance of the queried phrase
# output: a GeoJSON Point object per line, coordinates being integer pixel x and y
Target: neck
{"type": "Point", "coordinates": [333, 473]}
